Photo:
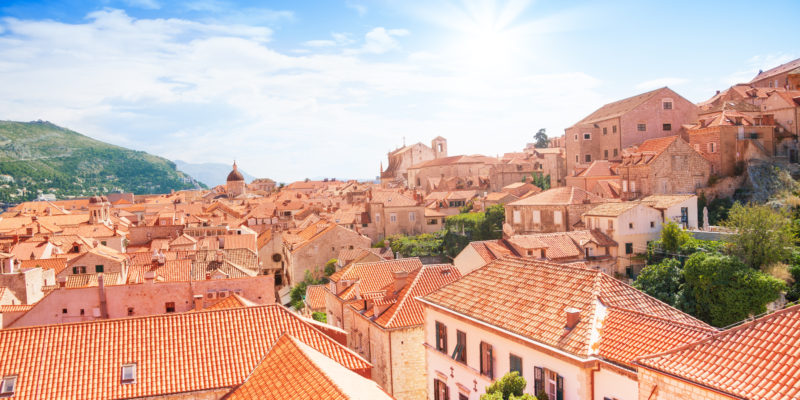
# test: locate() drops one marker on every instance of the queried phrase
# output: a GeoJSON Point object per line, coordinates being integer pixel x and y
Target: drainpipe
{"type": "Point", "coordinates": [594, 369]}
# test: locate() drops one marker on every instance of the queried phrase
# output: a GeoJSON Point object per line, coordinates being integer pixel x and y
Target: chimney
{"type": "Point", "coordinates": [573, 317]}
{"type": "Point", "coordinates": [198, 302]}
{"type": "Point", "coordinates": [62, 282]}
{"type": "Point", "coordinates": [400, 280]}
{"type": "Point", "coordinates": [150, 277]}
{"type": "Point", "coordinates": [220, 256]}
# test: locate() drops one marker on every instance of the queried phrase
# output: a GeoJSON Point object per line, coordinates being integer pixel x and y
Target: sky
{"type": "Point", "coordinates": [313, 89]}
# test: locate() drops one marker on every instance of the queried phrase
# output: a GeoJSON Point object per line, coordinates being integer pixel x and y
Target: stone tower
{"type": "Point", "coordinates": [439, 146]}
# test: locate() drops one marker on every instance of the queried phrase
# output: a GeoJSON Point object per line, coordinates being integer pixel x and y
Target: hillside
{"type": "Point", "coordinates": [40, 157]}
{"type": "Point", "coordinates": [212, 174]}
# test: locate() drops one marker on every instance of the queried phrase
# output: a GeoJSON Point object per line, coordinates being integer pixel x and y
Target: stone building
{"type": "Point", "coordinates": [755, 360]}
{"type": "Point", "coordinates": [666, 165]}
{"type": "Point", "coordinates": [598, 178]}
{"type": "Point", "coordinates": [604, 133]}
{"type": "Point", "coordinates": [403, 158]}
{"type": "Point", "coordinates": [571, 332]}
{"type": "Point", "coordinates": [235, 185]}
{"type": "Point", "coordinates": [554, 210]}
{"type": "Point", "coordinates": [729, 139]}
{"type": "Point", "coordinates": [391, 212]}
{"type": "Point", "coordinates": [785, 76]}
{"type": "Point", "coordinates": [384, 320]}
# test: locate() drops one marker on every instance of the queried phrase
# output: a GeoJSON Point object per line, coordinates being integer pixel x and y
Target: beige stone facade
{"type": "Point", "coordinates": [403, 158]}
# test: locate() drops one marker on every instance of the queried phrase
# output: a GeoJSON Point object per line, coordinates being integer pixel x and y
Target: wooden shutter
{"type": "Point", "coordinates": [538, 380]}
{"type": "Point", "coordinates": [437, 336]}
{"type": "Point", "coordinates": [560, 388]}
{"type": "Point", "coordinates": [491, 361]}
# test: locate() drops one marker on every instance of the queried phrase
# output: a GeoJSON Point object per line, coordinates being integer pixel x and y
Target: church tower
{"type": "Point", "coordinates": [235, 184]}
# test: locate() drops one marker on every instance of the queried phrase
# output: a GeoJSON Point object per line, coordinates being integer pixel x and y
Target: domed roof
{"type": "Point", "coordinates": [235, 175]}
{"type": "Point", "coordinates": [98, 199]}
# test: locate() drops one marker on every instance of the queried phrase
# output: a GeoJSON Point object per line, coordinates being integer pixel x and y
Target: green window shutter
{"type": "Point", "coordinates": [538, 380]}
{"type": "Point", "coordinates": [98, 268]}
{"type": "Point", "coordinates": [437, 337]}
{"type": "Point", "coordinates": [75, 270]}
{"type": "Point", "coordinates": [560, 388]}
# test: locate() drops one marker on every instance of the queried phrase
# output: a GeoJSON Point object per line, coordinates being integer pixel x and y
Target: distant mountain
{"type": "Point", "coordinates": [40, 157]}
{"type": "Point", "coordinates": [212, 174]}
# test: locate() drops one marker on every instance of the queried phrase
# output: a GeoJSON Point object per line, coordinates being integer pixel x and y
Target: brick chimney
{"type": "Point", "coordinates": [62, 282]}
{"type": "Point", "coordinates": [573, 317]}
{"type": "Point", "coordinates": [198, 302]}
{"type": "Point", "coordinates": [400, 280]}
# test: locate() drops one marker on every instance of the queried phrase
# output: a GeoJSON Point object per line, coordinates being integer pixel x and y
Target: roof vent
{"type": "Point", "coordinates": [573, 317]}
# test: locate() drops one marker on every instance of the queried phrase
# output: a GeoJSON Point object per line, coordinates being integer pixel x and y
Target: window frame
{"type": "Point", "coordinates": [641, 127]}
{"type": "Point", "coordinates": [486, 357]}
{"type": "Point", "coordinates": [460, 351]}
{"type": "Point", "coordinates": [12, 379]}
{"type": "Point", "coordinates": [99, 268]}
{"type": "Point", "coordinates": [168, 305]}
{"type": "Point", "coordinates": [511, 361]}
{"type": "Point", "coordinates": [441, 337]}
{"type": "Point", "coordinates": [131, 368]}
{"type": "Point", "coordinates": [629, 248]}
{"type": "Point", "coordinates": [587, 136]}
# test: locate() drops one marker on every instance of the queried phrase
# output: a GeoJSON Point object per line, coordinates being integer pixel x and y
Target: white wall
{"type": "Point", "coordinates": [612, 385]}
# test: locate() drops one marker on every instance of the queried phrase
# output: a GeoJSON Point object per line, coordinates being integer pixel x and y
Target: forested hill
{"type": "Point", "coordinates": [40, 157]}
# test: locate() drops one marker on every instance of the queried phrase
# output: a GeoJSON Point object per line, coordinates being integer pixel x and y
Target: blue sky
{"type": "Point", "coordinates": [324, 89]}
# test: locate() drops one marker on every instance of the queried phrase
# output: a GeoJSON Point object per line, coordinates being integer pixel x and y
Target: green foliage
{"type": "Point", "coordinates": [725, 290]}
{"type": "Point", "coordinates": [541, 139]}
{"type": "Point", "coordinates": [330, 267]}
{"type": "Point", "coordinates": [467, 207]}
{"type": "Point", "coordinates": [298, 292]}
{"type": "Point", "coordinates": [718, 210]}
{"type": "Point", "coordinates": [763, 235]}
{"type": "Point", "coordinates": [793, 293]}
{"type": "Point", "coordinates": [509, 387]}
{"type": "Point", "coordinates": [463, 228]}
{"type": "Point", "coordinates": [673, 237]}
{"type": "Point", "coordinates": [43, 157]}
{"type": "Point", "coordinates": [542, 395]}
{"type": "Point", "coordinates": [379, 244]}
{"type": "Point", "coordinates": [662, 281]}
{"type": "Point", "coordinates": [540, 180]}
{"type": "Point", "coordinates": [426, 244]}
{"type": "Point", "coordinates": [320, 316]}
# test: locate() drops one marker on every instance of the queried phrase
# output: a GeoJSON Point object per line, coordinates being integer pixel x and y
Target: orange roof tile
{"type": "Point", "coordinates": [565, 195]}
{"type": "Point", "coordinates": [315, 297]}
{"type": "Point", "coordinates": [756, 360]}
{"type": "Point", "coordinates": [406, 310]}
{"type": "Point", "coordinates": [620, 107]}
{"type": "Point", "coordinates": [56, 264]}
{"type": "Point", "coordinates": [294, 370]}
{"type": "Point", "coordinates": [175, 353]}
{"type": "Point", "coordinates": [529, 298]}
{"type": "Point", "coordinates": [373, 276]}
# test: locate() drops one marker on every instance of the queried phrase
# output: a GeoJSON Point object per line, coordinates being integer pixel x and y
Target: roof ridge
{"type": "Point", "coordinates": [406, 292]}
{"type": "Point", "coordinates": [671, 321]}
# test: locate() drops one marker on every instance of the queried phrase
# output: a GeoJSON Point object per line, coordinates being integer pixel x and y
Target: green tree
{"type": "Point", "coordinates": [763, 235]}
{"type": "Point", "coordinates": [540, 180]}
{"type": "Point", "coordinates": [320, 316]}
{"type": "Point", "coordinates": [541, 140]}
{"type": "Point", "coordinates": [509, 387]}
{"type": "Point", "coordinates": [298, 292]}
{"type": "Point", "coordinates": [662, 281]}
{"type": "Point", "coordinates": [330, 266]}
{"type": "Point", "coordinates": [673, 237]}
{"type": "Point", "coordinates": [724, 290]}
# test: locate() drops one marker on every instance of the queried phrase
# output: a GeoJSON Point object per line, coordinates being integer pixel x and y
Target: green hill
{"type": "Point", "coordinates": [39, 157]}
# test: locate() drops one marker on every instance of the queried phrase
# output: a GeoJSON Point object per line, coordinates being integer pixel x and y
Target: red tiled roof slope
{"type": "Point", "coordinates": [407, 310]}
{"type": "Point", "coordinates": [757, 360]}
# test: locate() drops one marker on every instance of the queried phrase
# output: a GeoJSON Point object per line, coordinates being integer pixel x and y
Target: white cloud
{"type": "Point", "coordinates": [320, 43]}
{"type": "Point", "coordinates": [360, 8]}
{"type": "Point", "coordinates": [661, 82]}
{"type": "Point", "coordinates": [146, 4]}
{"type": "Point", "coordinates": [214, 92]}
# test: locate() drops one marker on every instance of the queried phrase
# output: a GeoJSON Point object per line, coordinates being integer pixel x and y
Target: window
{"type": "Point", "coordinates": [587, 136]}
{"type": "Point", "coordinates": [666, 127]}
{"type": "Point", "coordinates": [537, 216]}
{"type": "Point", "coordinates": [83, 312]}
{"type": "Point", "coordinates": [130, 311]}
{"type": "Point", "coordinates": [628, 248]}
{"type": "Point", "coordinates": [170, 306]}
{"type": "Point", "coordinates": [276, 257]}
{"type": "Point", "coordinates": [641, 127]}
{"type": "Point", "coordinates": [610, 224]}
{"type": "Point", "coordinates": [9, 385]}
{"type": "Point", "coordinates": [393, 217]}
{"type": "Point", "coordinates": [98, 269]}
{"type": "Point", "coordinates": [433, 221]}
{"type": "Point", "coordinates": [588, 158]}
{"type": "Point", "coordinates": [613, 129]}
{"type": "Point", "coordinates": [129, 373]}
{"type": "Point", "coordinates": [78, 270]}
{"type": "Point", "coordinates": [460, 352]}
{"type": "Point", "coordinates": [412, 216]}
{"type": "Point", "coordinates": [103, 242]}
{"type": "Point", "coordinates": [605, 154]}
{"type": "Point", "coordinates": [652, 224]}
{"type": "Point", "coordinates": [615, 152]}
{"type": "Point", "coordinates": [515, 364]}
{"type": "Point", "coordinates": [549, 382]}
{"type": "Point", "coordinates": [605, 131]}
{"type": "Point", "coordinates": [557, 219]}
{"type": "Point", "coordinates": [711, 147]}
{"type": "Point", "coordinates": [440, 390]}
{"type": "Point", "coordinates": [377, 218]}
{"type": "Point", "coordinates": [487, 360]}
{"type": "Point", "coordinates": [462, 396]}
{"type": "Point", "coordinates": [63, 310]}
{"type": "Point", "coordinates": [576, 137]}
{"type": "Point", "coordinates": [630, 225]}
{"type": "Point", "coordinates": [441, 337]}
{"type": "Point", "coordinates": [517, 217]}
{"type": "Point", "coordinates": [576, 158]}
{"type": "Point", "coordinates": [667, 104]}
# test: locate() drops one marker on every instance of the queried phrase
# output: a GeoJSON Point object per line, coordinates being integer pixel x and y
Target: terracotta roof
{"type": "Point", "coordinates": [565, 195]}
{"type": "Point", "coordinates": [656, 145]}
{"type": "Point", "coordinates": [529, 298]}
{"type": "Point", "coordinates": [373, 276]}
{"type": "Point", "coordinates": [390, 198]}
{"type": "Point", "coordinates": [452, 160]}
{"type": "Point", "coordinates": [620, 107]}
{"type": "Point", "coordinates": [561, 245]}
{"type": "Point", "coordinates": [406, 310]}
{"type": "Point", "coordinates": [56, 264]}
{"type": "Point", "coordinates": [756, 360]}
{"type": "Point", "coordinates": [315, 297]}
{"type": "Point", "coordinates": [612, 209]}
{"type": "Point", "coordinates": [294, 370]}
{"type": "Point", "coordinates": [174, 353]}
{"type": "Point", "coordinates": [232, 301]}
{"type": "Point", "coordinates": [7, 308]}
{"type": "Point", "coordinates": [490, 250]}
{"type": "Point", "coordinates": [664, 201]}
{"type": "Point", "coordinates": [170, 271]}
{"type": "Point", "coordinates": [598, 168]}
{"type": "Point", "coordinates": [777, 70]}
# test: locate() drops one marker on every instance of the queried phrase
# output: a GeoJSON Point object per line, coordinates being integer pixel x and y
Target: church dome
{"type": "Point", "coordinates": [235, 175]}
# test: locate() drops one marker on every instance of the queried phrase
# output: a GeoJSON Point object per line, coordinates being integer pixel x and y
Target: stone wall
{"type": "Point", "coordinates": [408, 364]}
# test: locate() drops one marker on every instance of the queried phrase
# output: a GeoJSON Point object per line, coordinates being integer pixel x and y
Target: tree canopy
{"type": "Point", "coordinates": [763, 235]}
{"type": "Point", "coordinates": [509, 387]}
{"type": "Point", "coordinates": [541, 139]}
